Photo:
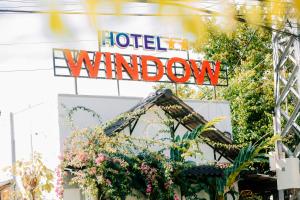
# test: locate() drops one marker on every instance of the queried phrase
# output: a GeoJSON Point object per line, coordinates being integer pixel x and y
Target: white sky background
{"type": "Point", "coordinates": [26, 42]}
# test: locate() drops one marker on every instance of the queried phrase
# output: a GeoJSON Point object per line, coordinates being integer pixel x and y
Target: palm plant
{"type": "Point", "coordinates": [182, 146]}
{"type": "Point", "coordinates": [247, 156]}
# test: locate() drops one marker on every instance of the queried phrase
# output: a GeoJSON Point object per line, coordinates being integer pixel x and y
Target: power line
{"type": "Point", "coordinates": [206, 12]}
{"type": "Point", "coordinates": [19, 1]}
{"type": "Point", "coordinates": [12, 6]}
{"type": "Point", "coordinates": [38, 2]}
{"type": "Point", "coordinates": [12, 11]}
{"type": "Point", "coordinates": [242, 20]}
{"type": "Point", "coordinates": [25, 43]}
{"type": "Point", "coordinates": [25, 70]}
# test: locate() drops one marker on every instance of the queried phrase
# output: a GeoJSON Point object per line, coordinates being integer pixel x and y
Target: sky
{"type": "Point", "coordinates": [28, 88]}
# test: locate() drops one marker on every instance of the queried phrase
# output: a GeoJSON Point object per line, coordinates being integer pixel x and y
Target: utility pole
{"type": "Point", "coordinates": [12, 139]}
{"type": "Point", "coordinates": [13, 146]}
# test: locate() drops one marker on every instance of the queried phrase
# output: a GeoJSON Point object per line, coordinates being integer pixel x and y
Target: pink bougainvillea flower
{"type": "Point", "coordinates": [93, 171]}
{"type": "Point", "coordinates": [83, 157]}
{"type": "Point", "coordinates": [100, 159]}
{"type": "Point", "coordinates": [59, 190]}
{"type": "Point", "coordinates": [168, 184]}
{"type": "Point", "coordinates": [108, 182]}
{"type": "Point", "coordinates": [149, 188]}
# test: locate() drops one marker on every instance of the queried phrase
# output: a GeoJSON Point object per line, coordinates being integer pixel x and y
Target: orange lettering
{"type": "Point", "coordinates": [122, 63]}
{"type": "Point", "coordinates": [199, 76]}
{"type": "Point", "coordinates": [186, 66]}
{"type": "Point", "coordinates": [108, 70]}
{"type": "Point", "coordinates": [159, 67]}
{"type": "Point", "coordinates": [83, 56]}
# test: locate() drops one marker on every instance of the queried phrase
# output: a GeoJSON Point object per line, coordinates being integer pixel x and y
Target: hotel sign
{"type": "Point", "coordinates": [107, 65]}
{"type": "Point", "coordinates": [139, 41]}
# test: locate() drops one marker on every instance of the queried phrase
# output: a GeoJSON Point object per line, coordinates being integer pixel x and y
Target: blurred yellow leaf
{"type": "Point", "coordinates": [118, 5]}
{"type": "Point", "coordinates": [56, 23]}
{"type": "Point", "coordinates": [279, 7]}
{"type": "Point", "coordinates": [92, 5]}
{"type": "Point", "coordinates": [92, 10]}
{"type": "Point", "coordinates": [161, 6]}
{"type": "Point", "coordinates": [254, 15]}
{"type": "Point", "coordinates": [297, 6]}
{"type": "Point", "coordinates": [275, 11]}
{"type": "Point", "coordinates": [195, 25]}
{"type": "Point", "coordinates": [229, 14]}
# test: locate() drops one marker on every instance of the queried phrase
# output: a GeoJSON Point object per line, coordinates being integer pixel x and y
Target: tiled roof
{"type": "Point", "coordinates": [203, 170]}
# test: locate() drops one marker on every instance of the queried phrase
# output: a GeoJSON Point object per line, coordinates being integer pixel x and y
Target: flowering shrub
{"type": "Point", "coordinates": [117, 166]}
{"type": "Point", "coordinates": [111, 167]}
{"type": "Point", "coordinates": [35, 178]}
{"type": "Point", "coordinates": [59, 190]}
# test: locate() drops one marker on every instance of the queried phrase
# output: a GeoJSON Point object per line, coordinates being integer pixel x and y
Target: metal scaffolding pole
{"type": "Point", "coordinates": [286, 62]}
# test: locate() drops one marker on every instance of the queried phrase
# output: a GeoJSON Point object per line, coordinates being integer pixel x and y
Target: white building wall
{"type": "Point", "coordinates": [212, 109]}
{"type": "Point", "coordinates": [72, 194]}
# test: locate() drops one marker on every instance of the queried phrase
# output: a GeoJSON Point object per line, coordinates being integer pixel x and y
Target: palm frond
{"type": "Point", "coordinates": [246, 156]}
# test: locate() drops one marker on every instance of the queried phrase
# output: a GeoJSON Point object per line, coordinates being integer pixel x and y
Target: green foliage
{"type": "Point", "coordinates": [108, 167]}
{"type": "Point", "coordinates": [247, 156]}
{"type": "Point", "coordinates": [187, 145]}
{"type": "Point", "coordinates": [183, 91]}
{"type": "Point", "coordinates": [120, 165]}
{"type": "Point", "coordinates": [248, 55]}
{"type": "Point", "coordinates": [112, 166]}
{"type": "Point", "coordinates": [184, 144]}
{"type": "Point", "coordinates": [73, 110]}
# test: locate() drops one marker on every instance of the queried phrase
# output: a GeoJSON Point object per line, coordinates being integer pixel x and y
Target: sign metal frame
{"type": "Point", "coordinates": [60, 64]}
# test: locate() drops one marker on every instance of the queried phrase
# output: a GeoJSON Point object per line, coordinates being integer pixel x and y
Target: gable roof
{"type": "Point", "coordinates": [164, 98]}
